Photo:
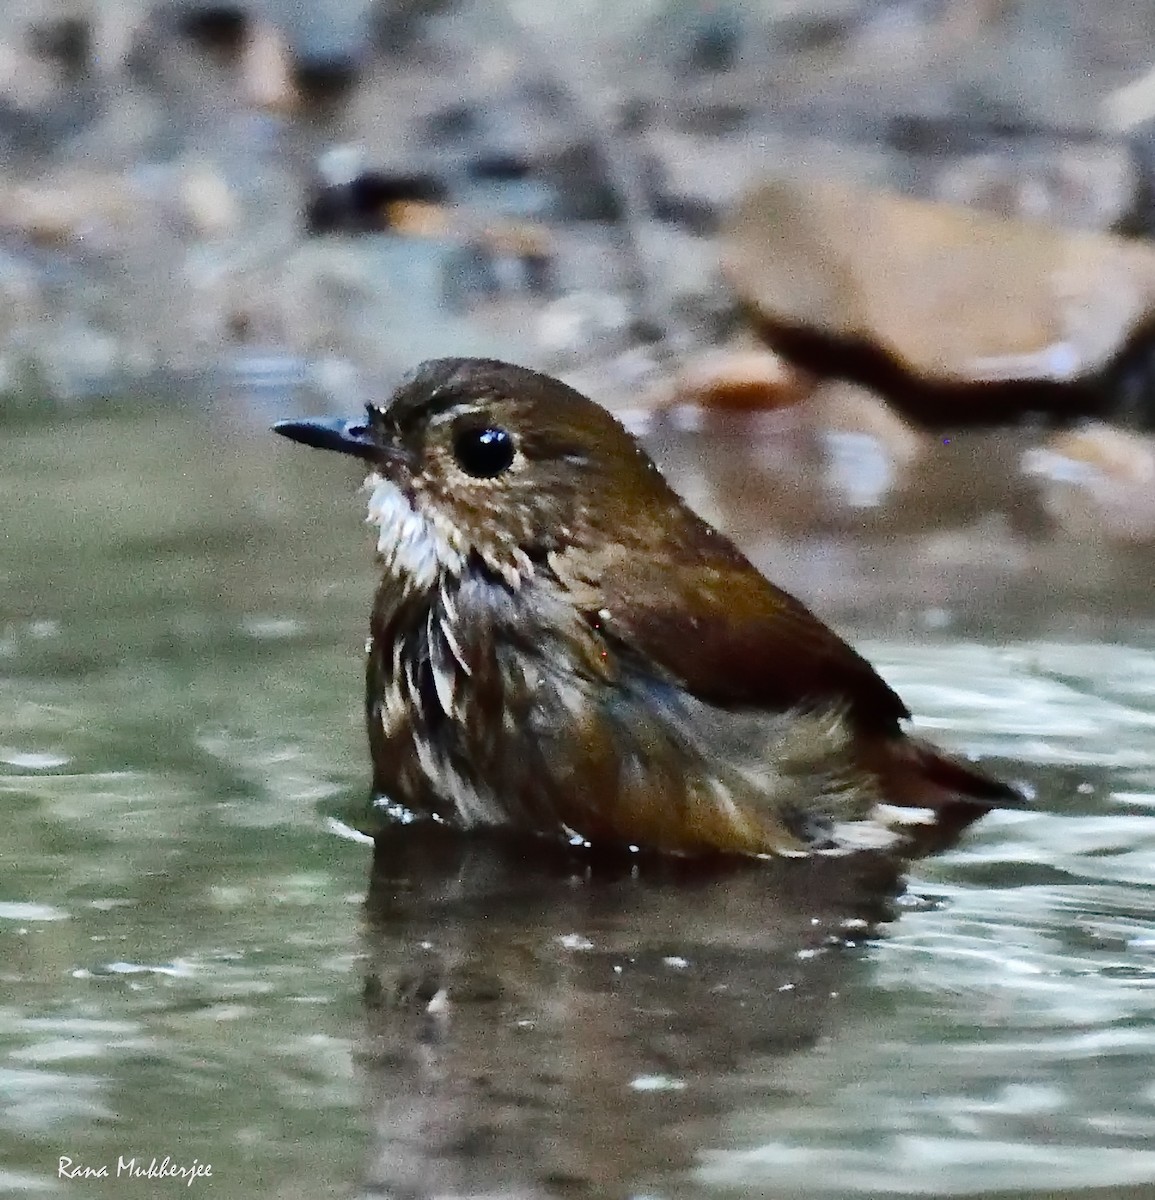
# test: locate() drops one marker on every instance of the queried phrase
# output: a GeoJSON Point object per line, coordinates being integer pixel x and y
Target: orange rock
{"type": "Point", "coordinates": [743, 379]}
{"type": "Point", "coordinates": [416, 218]}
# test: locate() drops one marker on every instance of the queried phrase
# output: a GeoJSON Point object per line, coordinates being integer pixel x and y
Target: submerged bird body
{"type": "Point", "coordinates": [559, 644]}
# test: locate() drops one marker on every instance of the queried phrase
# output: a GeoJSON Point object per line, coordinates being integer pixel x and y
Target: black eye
{"type": "Point", "coordinates": [483, 453]}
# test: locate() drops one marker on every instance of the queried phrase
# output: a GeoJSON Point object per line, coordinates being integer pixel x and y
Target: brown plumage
{"type": "Point", "coordinates": [560, 644]}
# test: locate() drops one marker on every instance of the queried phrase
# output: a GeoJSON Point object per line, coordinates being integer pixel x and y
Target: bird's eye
{"type": "Point", "coordinates": [483, 453]}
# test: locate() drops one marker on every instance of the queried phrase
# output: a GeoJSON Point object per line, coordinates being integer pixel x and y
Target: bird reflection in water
{"type": "Point", "coordinates": [545, 1023]}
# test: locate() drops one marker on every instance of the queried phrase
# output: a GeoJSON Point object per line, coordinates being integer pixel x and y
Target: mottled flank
{"type": "Point", "coordinates": [481, 711]}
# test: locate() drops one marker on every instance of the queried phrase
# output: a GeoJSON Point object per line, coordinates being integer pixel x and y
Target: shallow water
{"type": "Point", "coordinates": [184, 946]}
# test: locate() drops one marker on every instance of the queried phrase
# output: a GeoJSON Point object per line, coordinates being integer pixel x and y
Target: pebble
{"type": "Point", "coordinates": [267, 71]}
{"type": "Point", "coordinates": [208, 202]}
{"type": "Point", "coordinates": [869, 448]}
{"type": "Point", "coordinates": [1096, 482]}
{"type": "Point", "coordinates": [65, 208]}
{"type": "Point", "coordinates": [739, 378]}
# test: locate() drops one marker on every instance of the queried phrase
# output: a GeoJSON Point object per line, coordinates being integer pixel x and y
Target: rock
{"type": "Point", "coordinates": [1097, 481]}
{"type": "Point", "coordinates": [707, 38]}
{"type": "Point", "coordinates": [869, 449]}
{"type": "Point", "coordinates": [325, 31]}
{"type": "Point", "coordinates": [503, 258]}
{"type": "Point", "coordinates": [28, 81]}
{"type": "Point", "coordinates": [208, 203]}
{"type": "Point", "coordinates": [1106, 452]}
{"type": "Point", "coordinates": [65, 40]}
{"type": "Point", "coordinates": [89, 212]}
{"type": "Point", "coordinates": [214, 28]}
{"type": "Point", "coordinates": [1091, 186]}
{"type": "Point", "coordinates": [583, 184]}
{"type": "Point", "coordinates": [267, 70]}
{"type": "Point", "coordinates": [66, 208]}
{"type": "Point", "coordinates": [631, 382]}
{"type": "Point", "coordinates": [953, 314]}
{"type": "Point", "coordinates": [350, 200]}
{"type": "Point", "coordinates": [739, 378]}
{"type": "Point", "coordinates": [1131, 105]}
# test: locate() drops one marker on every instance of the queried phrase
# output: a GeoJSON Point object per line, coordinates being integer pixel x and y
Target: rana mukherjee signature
{"type": "Point", "coordinates": [135, 1168]}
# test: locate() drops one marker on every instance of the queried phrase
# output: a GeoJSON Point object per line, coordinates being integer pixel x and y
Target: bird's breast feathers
{"type": "Point", "coordinates": [513, 709]}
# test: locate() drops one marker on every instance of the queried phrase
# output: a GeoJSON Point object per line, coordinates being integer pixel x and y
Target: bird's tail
{"type": "Point", "coordinates": [913, 774]}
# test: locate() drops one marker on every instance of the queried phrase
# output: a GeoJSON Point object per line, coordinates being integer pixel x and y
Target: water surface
{"type": "Point", "coordinates": [189, 967]}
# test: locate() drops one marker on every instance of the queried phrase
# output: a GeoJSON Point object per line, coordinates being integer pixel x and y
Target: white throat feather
{"type": "Point", "coordinates": [410, 543]}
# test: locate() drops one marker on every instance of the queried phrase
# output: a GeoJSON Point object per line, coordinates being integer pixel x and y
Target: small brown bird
{"type": "Point", "coordinates": [558, 644]}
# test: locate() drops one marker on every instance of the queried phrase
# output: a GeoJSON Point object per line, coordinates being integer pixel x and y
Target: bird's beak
{"type": "Point", "coordinates": [332, 433]}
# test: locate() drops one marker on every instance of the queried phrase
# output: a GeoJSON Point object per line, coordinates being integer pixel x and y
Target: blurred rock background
{"type": "Point", "coordinates": [936, 213]}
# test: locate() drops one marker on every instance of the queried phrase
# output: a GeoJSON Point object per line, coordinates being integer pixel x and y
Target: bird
{"type": "Point", "coordinates": [560, 646]}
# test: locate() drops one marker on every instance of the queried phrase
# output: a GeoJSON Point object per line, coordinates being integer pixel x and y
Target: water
{"type": "Point", "coordinates": [188, 967]}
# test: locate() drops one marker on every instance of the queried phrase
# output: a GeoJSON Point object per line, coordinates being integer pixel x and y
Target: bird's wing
{"type": "Point", "coordinates": [706, 618]}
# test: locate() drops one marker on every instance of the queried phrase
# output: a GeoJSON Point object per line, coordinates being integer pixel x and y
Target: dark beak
{"type": "Point", "coordinates": [331, 433]}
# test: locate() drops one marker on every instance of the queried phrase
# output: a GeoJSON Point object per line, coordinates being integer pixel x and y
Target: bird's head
{"type": "Point", "coordinates": [478, 461]}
